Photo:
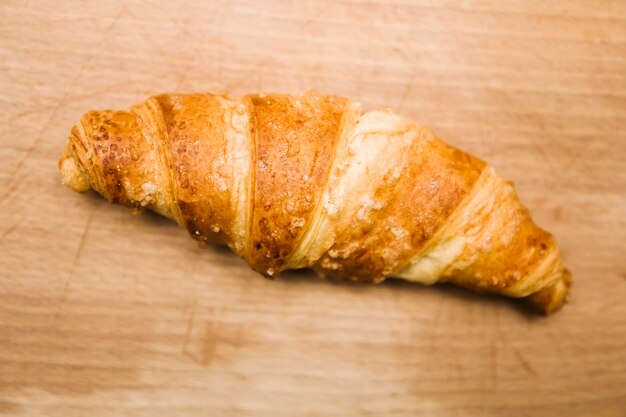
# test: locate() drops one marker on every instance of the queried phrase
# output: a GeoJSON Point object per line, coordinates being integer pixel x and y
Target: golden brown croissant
{"type": "Point", "coordinates": [297, 181]}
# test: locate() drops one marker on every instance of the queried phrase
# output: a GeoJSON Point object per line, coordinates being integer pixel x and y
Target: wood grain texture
{"type": "Point", "coordinates": [106, 314]}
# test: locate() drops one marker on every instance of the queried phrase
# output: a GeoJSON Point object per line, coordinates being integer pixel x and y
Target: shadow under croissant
{"type": "Point", "coordinates": [450, 291]}
{"type": "Point", "coordinates": [521, 305]}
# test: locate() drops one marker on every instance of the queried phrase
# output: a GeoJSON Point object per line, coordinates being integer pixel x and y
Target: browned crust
{"type": "Point", "coordinates": [516, 250]}
{"type": "Point", "coordinates": [295, 139]}
{"type": "Point", "coordinates": [434, 179]}
{"type": "Point", "coordinates": [196, 136]}
{"type": "Point", "coordinates": [122, 162]}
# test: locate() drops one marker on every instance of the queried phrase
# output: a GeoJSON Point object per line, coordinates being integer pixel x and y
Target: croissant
{"type": "Point", "coordinates": [307, 181]}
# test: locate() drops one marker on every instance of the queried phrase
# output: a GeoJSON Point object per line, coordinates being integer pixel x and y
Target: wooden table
{"type": "Point", "coordinates": [107, 314]}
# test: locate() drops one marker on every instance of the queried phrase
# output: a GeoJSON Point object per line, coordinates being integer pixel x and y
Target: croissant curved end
{"type": "Point", "coordinates": [552, 298]}
{"type": "Point", "coordinates": [71, 174]}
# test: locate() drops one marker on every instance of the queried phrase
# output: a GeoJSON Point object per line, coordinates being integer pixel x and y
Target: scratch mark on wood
{"type": "Point", "coordinates": [70, 98]}
{"type": "Point", "coordinates": [219, 334]}
{"type": "Point", "coordinates": [155, 44]}
{"type": "Point", "coordinates": [203, 339]}
{"type": "Point", "coordinates": [8, 231]}
{"type": "Point", "coordinates": [544, 155]}
{"type": "Point", "coordinates": [578, 155]}
{"type": "Point", "coordinates": [8, 408]}
{"type": "Point", "coordinates": [13, 182]}
{"type": "Point", "coordinates": [79, 251]}
{"type": "Point", "coordinates": [115, 20]}
{"type": "Point", "coordinates": [54, 111]}
{"type": "Point", "coordinates": [525, 364]}
{"type": "Point", "coordinates": [33, 110]}
{"type": "Point", "coordinates": [209, 344]}
{"type": "Point", "coordinates": [190, 323]}
{"type": "Point", "coordinates": [405, 93]}
{"type": "Point", "coordinates": [501, 336]}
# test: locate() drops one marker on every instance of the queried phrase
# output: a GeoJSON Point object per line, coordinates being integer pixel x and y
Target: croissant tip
{"type": "Point", "coordinates": [71, 174]}
{"type": "Point", "coordinates": [551, 299]}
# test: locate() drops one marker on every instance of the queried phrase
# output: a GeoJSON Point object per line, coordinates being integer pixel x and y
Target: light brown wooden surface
{"type": "Point", "coordinates": [106, 314]}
